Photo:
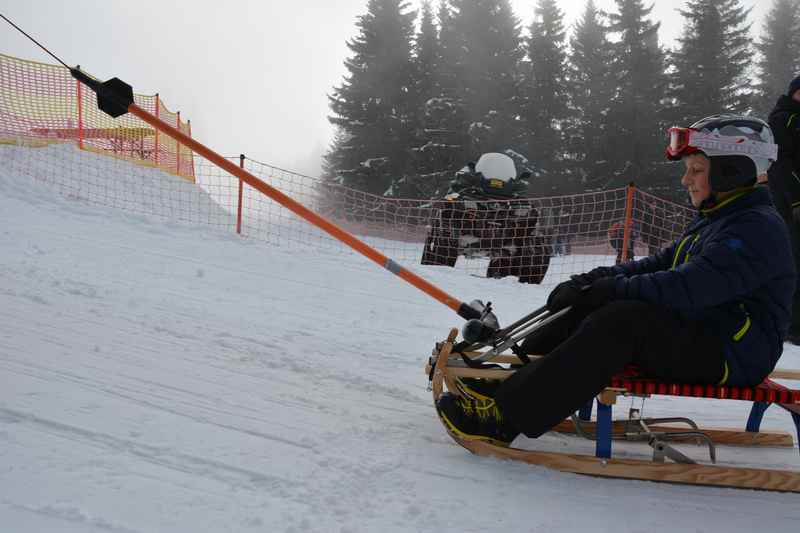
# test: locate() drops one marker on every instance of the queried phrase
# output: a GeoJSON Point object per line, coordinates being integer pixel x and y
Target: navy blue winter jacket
{"type": "Point", "coordinates": [732, 270]}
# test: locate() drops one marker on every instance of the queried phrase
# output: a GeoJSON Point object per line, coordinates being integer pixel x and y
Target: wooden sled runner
{"type": "Point", "coordinates": [668, 465]}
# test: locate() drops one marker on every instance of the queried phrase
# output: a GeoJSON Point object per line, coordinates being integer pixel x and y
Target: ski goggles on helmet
{"type": "Point", "coordinates": [687, 141]}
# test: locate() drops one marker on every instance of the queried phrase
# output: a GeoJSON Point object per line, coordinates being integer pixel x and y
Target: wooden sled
{"type": "Point", "coordinates": [445, 366]}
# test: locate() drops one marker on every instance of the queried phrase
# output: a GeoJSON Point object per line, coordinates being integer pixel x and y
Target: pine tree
{"type": "Point", "coordinates": [427, 55]}
{"type": "Point", "coordinates": [371, 107]}
{"type": "Point", "coordinates": [441, 144]}
{"type": "Point", "coordinates": [712, 61]}
{"type": "Point", "coordinates": [544, 110]}
{"type": "Point", "coordinates": [435, 147]}
{"type": "Point", "coordinates": [590, 91]}
{"type": "Point", "coordinates": [332, 160]}
{"type": "Point", "coordinates": [483, 40]}
{"type": "Point", "coordinates": [779, 50]}
{"type": "Point", "coordinates": [636, 116]}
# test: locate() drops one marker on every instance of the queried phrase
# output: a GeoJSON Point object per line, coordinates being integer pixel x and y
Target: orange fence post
{"type": "Point", "coordinates": [157, 113]}
{"type": "Point", "coordinates": [626, 237]}
{"type": "Point", "coordinates": [191, 155]}
{"type": "Point", "coordinates": [80, 116]}
{"type": "Point", "coordinates": [239, 208]}
{"type": "Point", "coordinates": [178, 145]}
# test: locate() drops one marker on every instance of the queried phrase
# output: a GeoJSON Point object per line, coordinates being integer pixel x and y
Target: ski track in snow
{"type": "Point", "coordinates": [163, 377]}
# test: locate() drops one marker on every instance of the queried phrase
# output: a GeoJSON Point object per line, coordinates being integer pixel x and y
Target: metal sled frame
{"type": "Point", "coordinates": [447, 364]}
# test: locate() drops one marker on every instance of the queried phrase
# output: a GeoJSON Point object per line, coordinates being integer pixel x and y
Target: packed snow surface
{"type": "Point", "coordinates": [160, 376]}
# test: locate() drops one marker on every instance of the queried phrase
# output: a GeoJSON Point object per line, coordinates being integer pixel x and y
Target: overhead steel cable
{"type": "Point", "coordinates": [34, 40]}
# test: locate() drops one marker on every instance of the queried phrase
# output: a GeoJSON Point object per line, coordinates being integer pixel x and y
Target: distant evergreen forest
{"type": "Point", "coordinates": [584, 108]}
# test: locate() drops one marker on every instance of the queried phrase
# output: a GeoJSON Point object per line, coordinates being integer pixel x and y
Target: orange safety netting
{"type": "Point", "coordinates": [52, 132]}
{"type": "Point", "coordinates": [537, 240]}
{"type": "Point", "coordinates": [42, 104]}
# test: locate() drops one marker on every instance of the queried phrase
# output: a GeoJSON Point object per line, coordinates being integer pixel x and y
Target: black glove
{"type": "Point", "coordinates": [564, 295]}
{"type": "Point", "coordinates": [595, 296]}
{"type": "Point", "coordinates": [593, 275]}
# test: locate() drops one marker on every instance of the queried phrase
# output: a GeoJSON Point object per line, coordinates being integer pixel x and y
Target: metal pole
{"type": "Point", "coordinates": [80, 115]}
{"type": "Point", "coordinates": [191, 155]}
{"type": "Point", "coordinates": [178, 145]}
{"type": "Point", "coordinates": [626, 236]}
{"type": "Point", "coordinates": [239, 208]}
{"type": "Point", "coordinates": [158, 113]}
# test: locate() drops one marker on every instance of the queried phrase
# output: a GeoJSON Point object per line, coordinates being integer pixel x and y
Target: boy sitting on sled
{"type": "Point", "coordinates": [712, 308]}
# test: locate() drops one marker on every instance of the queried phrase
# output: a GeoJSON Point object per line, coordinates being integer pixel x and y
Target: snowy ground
{"type": "Point", "coordinates": [162, 377]}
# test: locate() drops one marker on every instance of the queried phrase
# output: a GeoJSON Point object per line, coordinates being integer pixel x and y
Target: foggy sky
{"type": "Point", "coordinates": [253, 76]}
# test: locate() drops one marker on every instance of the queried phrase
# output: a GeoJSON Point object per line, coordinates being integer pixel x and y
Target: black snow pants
{"type": "Point", "coordinates": [785, 189]}
{"type": "Point", "coordinates": [583, 353]}
{"type": "Point", "coordinates": [794, 233]}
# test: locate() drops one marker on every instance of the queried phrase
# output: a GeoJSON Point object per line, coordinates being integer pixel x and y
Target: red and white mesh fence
{"type": "Point", "coordinates": [41, 103]}
{"type": "Point", "coordinates": [52, 133]}
{"type": "Point", "coordinates": [538, 240]}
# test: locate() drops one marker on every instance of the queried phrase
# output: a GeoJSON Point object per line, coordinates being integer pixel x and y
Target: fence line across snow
{"type": "Point", "coordinates": [52, 131]}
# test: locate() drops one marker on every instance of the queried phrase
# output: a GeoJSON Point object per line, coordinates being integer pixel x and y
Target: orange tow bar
{"type": "Point", "coordinates": [302, 211]}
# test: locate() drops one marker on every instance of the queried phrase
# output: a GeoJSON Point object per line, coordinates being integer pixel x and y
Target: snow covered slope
{"type": "Point", "coordinates": [156, 376]}
{"type": "Point", "coordinates": [100, 179]}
